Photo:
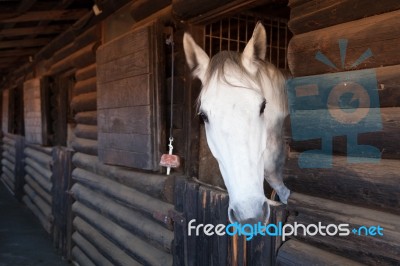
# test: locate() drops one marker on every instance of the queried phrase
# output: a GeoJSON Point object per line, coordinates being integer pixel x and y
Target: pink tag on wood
{"type": "Point", "coordinates": [170, 160]}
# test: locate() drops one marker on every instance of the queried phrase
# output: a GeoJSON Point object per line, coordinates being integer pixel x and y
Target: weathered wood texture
{"type": "Point", "coordinates": [209, 206]}
{"type": "Point", "coordinates": [128, 99]}
{"type": "Point", "coordinates": [5, 119]}
{"type": "Point", "coordinates": [61, 207]}
{"type": "Point", "coordinates": [294, 252]}
{"type": "Point", "coordinates": [382, 249]}
{"type": "Point", "coordinates": [386, 140]}
{"type": "Point", "coordinates": [309, 15]}
{"type": "Point", "coordinates": [39, 184]}
{"type": "Point", "coordinates": [35, 111]}
{"type": "Point", "coordinates": [379, 33]}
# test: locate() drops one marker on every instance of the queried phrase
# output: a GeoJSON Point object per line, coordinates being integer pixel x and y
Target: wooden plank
{"type": "Point", "coordinates": [128, 196]}
{"type": "Point", "coordinates": [49, 29]}
{"type": "Point", "coordinates": [131, 91]}
{"type": "Point", "coordinates": [38, 189]}
{"type": "Point", "coordinates": [363, 184]}
{"type": "Point", "coordinates": [45, 223]}
{"type": "Point", "coordinates": [126, 142]}
{"type": "Point", "coordinates": [54, 15]}
{"type": "Point", "coordinates": [87, 146]}
{"type": "Point", "coordinates": [85, 86]}
{"type": "Point", "coordinates": [131, 43]}
{"type": "Point", "coordinates": [142, 251]}
{"type": "Point", "coordinates": [86, 118]}
{"type": "Point", "coordinates": [125, 120]}
{"type": "Point", "coordinates": [24, 43]}
{"type": "Point", "coordinates": [45, 184]}
{"type": "Point", "coordinates": [309, 15]}
{"type": "Point", "coordinates": [79, 256]}
{"type": "Point", "coordinates": [84, 102]}
{"type": "Point", "coordinates": [151, 184]}
{"type": "Point", "coordinates": [383, 249]}
{"type": "Point", "coordinates": [375, 33]}
{"type": "Point", "coordinates": [86, 72]}
{"type": "Point", "coordinates": [294, 252]}
{"type": "Point", "coordinates": [5, 121]}
{"type": "Point", "coordinates": [126, 66]}
{"type": "Point", "coordinates": [144, 8]}
{"type": "Point", "coordinates": [18, 52]}
{"type": "Point", "coordinates": [386, 140]}
{"type": "Point", "coordinates": [127, 218]}
{"type": "Point", "coordinates": [41, 158]}
{"type": "Point", "coordinates": [111, 253]}
{"type": "Point", "coordinates": [123, 158]}
{"type": "Point", "coordinates": [86, 131]}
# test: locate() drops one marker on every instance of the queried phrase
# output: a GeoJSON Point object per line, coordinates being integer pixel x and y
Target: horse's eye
{"type": "Point", "coordinates": [204, 117]}
{"type": "Point", "coordinates": [262, 108]}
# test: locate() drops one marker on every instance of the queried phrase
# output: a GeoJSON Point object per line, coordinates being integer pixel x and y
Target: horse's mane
{"type": "Point", "coordinates": [267, 72]}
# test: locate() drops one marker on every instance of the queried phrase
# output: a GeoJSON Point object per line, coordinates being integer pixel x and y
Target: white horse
{"type": "Point", "coordinates": [243, 104]}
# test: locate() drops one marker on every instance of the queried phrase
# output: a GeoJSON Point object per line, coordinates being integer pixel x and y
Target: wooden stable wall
{"type": "Point", "coordinates": [358, 194]}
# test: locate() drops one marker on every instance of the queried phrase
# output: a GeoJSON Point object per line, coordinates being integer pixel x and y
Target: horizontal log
{"type": "Point", "coordinates": [9, 174]}
{"type": "Point", "coordinates": [387, 139]}
{"type": "Point", "coordinates": [86, 146]}
{"type": "Point", "coordinates": [80, 257]}
{"type": "Point", "coordinates": [58, 15]}
{"type": "Point", "coordinates": [310, 16]}
{"type": "Point", "coordinates": [8, 140]}
{"type": "Point", "coordinates": [142, 9]}
{"type": "Point", "coordinates": [129, 219]}
{"type": "Point", "coordinates": [382, 249]}
{"type": "Point", "coordinates": [43, 182]}
{"type": "Point", "coordinates": [89, 249]}
{"type": "Point", "coordinates": [24, 43]}
{"type": "Point", "coordinates": [45, 223]}
{"type": "Point", "coordinates": [45, 150]}
{"type": "Point", "coordinates": [363, 184]}
{"type": "Point", "coordinates": [387, 86]}
{"type": "Point", "coordinates": [9, 149]}
{"type": "Point", "coordinates": [39, 157]}
{"type": "Point", "coordinates": [38, 189]}
{"type": "Point", "coordinates": [84, 86]}
{"type": "Point", "coordinates": [9, 165]}
{"type": "Point", "coordinates": [86, 131]}
{"type": "Point", "coordinates": [114, 254]}
{"type": "Point", "coordinates": [78, 59]}
{"type": "Point", "coordinates": [375, 33]}
{"type": "Point", "coordinates": [154, 185]}
{"type": "Point", "coordinates": [89, 36]}
{"type": "Point", "coordinates": [43, 206]}
{"type": "Point", "coordinates": [39, 168]}
{"type": "Point", "coordinates": [48, 29]}
{"type": "Point", "coordinates": [84, 102]}
{"type": "Point", "coordinates": [126, 195]}
{"type": "Point", "coordinates": [142, 251]}
{"type": "Point", "coordinates": [293, 251]}
{"type": "Point", "coordinates": [6, 155]}
{"type": "Point", "coordinates": [86, 118]}
{"type": "Point", "coordinates": [8, 183]}
{"type": "Point", "coordinates": [86, 73]}
{"type": "Point", "coordinates": [10, 136]}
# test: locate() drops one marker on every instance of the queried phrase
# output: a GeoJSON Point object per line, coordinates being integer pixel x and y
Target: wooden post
{"type": "Point", "coordinates": [62, 169]}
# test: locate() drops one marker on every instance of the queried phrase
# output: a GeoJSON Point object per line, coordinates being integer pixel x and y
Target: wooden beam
{"type": "Point", "coordinates": [57, 15]}
{"type": "Point", "coordinates": [33, 30]}
{"type": "Point", "coordinates": [24, 43]}
{"type": "Point", "coordinates": [17, 52]}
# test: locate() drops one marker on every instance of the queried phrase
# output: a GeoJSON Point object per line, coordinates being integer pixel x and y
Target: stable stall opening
{"type": "Point", "coordinates": [232, 33]}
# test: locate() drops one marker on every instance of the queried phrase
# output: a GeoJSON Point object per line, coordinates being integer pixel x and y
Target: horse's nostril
{"type": "Point", "coordinates": [232, 216]}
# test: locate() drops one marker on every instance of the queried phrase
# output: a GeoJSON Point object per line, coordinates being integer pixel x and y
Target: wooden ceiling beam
{"type": "Point", "coordinates": [18, 52]}
{"type": "Point", "coordinates": [55, 29]}
{"type": "Point", "coordinates": [24, 43]}
{"type": "Point", "coordinates": [55, 15]}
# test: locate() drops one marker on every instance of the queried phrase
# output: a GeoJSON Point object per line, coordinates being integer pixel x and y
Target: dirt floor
{"type": "Point", "coordinates": [23, 241]}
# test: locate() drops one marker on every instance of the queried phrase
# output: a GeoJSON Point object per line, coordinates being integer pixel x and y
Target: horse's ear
{"type": "Point", "coordinates": [196, 58]}
{"type": "Point", "coordinates": [255, 49]}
